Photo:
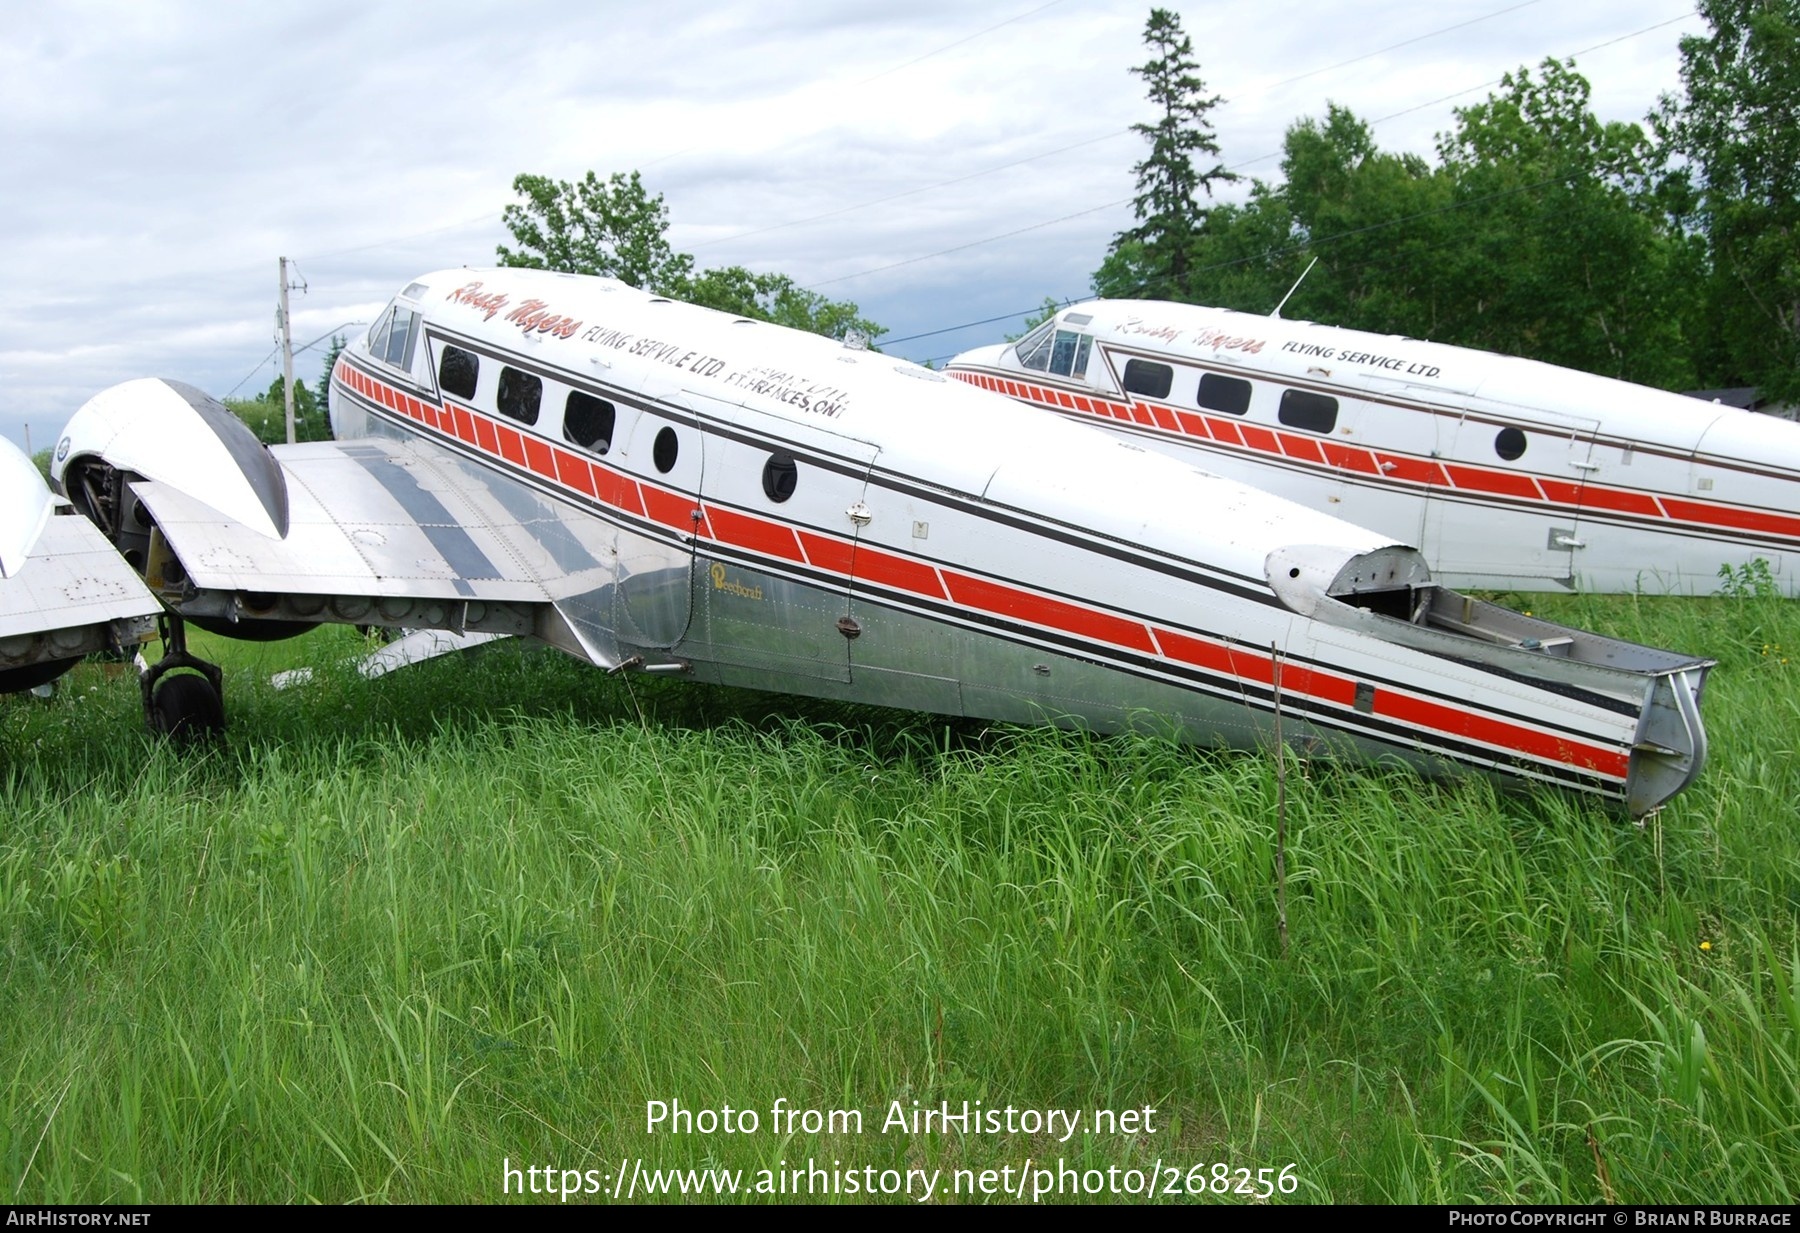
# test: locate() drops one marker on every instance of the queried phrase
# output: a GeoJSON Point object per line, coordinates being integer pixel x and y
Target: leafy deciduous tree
{"type": "Point", "coordinates": [267, 414]}
{"type": "Point", "coordinates": [612, 228]}
{"type": "Point", "coordinates": [615, 229]}
{"type": "Point", "coordinates": [1738, 130]}
{"type": "Point", "coordinates": [1564, 255]}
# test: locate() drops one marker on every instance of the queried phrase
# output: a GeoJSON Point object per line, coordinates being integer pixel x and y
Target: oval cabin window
{"type": "Point", "coordinates": [780, 477]}
{"type": "Point", "coordinates": [666, 450]}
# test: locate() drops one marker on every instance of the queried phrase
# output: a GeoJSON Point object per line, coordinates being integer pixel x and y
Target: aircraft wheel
{"type": "Point", "coordinates": [187, 708]}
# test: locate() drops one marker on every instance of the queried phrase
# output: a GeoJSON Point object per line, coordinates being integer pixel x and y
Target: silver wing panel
{"type": "Point", "coordinates": [365, 518]}
{"type": "Point", "coordinates": [376, 522]}
{"type": "Point", "coordinates": [71, 577]}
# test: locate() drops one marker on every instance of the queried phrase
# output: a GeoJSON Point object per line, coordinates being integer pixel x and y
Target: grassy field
{"type": "Point", "coordinates": [396, 937]}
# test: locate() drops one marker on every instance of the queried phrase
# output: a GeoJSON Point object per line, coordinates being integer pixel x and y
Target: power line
{"type": "Point", "coordinates": [1301, 246]}
{"type": "Point", "coordinates": [886, 72]}
{"type": "Point", "coordinates": [967, 39]}
{"type": "Point", "coordinates": [342, 325]}
{"type": "Point", "coordinates": [1418, 38]}
{"type": "Point", "coordinates": [971, 244]}
{"type": "Point", "coordinates": [1105, 136]}
{"type": "Point", "coordinates": [1283, 252]}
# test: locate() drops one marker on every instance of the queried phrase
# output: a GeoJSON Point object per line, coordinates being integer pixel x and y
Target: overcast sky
{"type": "Point", "coordinates": [939, 163]}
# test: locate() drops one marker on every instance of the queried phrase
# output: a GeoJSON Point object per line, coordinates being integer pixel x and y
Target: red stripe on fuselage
{"type": "Point", "coordinates": [881, 567]}
{"type": "Point", "coordinates": [1465, 478]}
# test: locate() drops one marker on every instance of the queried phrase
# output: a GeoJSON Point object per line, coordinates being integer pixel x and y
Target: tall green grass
{"type": "Point", "coordinates": [392, 933]}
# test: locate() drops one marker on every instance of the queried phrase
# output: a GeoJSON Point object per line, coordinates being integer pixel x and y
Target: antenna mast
{"type": "Point", "coordinates": [1292, 289]}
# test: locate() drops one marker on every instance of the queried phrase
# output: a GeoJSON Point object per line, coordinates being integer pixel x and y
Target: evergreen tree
{"type": "Point", "coordinates": [1169, 184]}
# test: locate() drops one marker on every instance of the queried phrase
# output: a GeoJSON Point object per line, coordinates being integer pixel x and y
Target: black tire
{"type": "Point", "coordinates": [186, 708]}
{"type": "Point", "coordinates": [17, 680]}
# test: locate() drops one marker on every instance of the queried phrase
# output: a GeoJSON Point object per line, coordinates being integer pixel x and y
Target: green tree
{"type": "Point", "coordinates": [267, 414]}
{"type": "Point", "coordinates": [1169, 183]}
{"type": "Point", "coordinates": [1374, 221]}
{"type": "Point", "coordinates": [1539, 233]}
{"type": "Point", "coordinates": [612, 228]}
{"type": "Point", "coordinates": [322, 392]}
{"type": "Point", "coordinates": [1561, 251]}
{"type": "Point", "coordinates": [1735, 137]}
{"type": "Point", "coordinates": [1048, 309]}
{"type": "Point", "coordinates": [616, 229]}
{"type": "Point", "coordinates": [42, 459]}
{"type": "Point", "coordinates": [775, 297]}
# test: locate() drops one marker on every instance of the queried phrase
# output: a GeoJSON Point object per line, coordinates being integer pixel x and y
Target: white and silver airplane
{"type": "Point", "coordinates": [64, 592]}
{"type": "Point", "coordinates": [651, 486]}
{"type": "Point", "coordinates": [1507, 473]}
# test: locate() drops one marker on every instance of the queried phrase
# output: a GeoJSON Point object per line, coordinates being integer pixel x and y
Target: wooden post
{"type": "Point", "coordinates": [287, 355]}
{"type": "Point", "coordinates": [1281, 924]}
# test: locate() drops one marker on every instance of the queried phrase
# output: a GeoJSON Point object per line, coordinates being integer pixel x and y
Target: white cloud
{"type": "Point", "coordinates": [161, 157]}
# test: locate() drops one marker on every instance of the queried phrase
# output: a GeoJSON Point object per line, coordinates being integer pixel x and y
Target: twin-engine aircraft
{"type": "Point", "coordinates": [655, 487]}
{"type": "Point", "coordinates": [1507, 473]}
{"type": "Point", "coordinates": [64, 592]}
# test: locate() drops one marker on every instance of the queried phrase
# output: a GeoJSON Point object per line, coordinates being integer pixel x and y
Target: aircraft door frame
{"type": "Point", "coordinates": [1521, 524]}
{"type": "Point", "coordinates": [1382, 430]}
{"type": "Point", "coordinates": [653, 594]}
{"type": "Point", "coordinates": [781, 618]}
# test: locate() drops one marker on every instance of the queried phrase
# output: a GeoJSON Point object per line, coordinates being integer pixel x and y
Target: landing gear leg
{"type": "Point", "coordinates": [188, 707]}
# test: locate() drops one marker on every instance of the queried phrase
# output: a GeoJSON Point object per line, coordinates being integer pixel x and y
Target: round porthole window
{"type": "Point", "coordinates": [666, 450]}
{"type": "Point", "coordinates": [780, 475]}
{"type": "Point", "coordinates": [1510, 444]}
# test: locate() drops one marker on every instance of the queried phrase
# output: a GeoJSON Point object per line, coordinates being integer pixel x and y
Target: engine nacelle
{"type": "Point", "coordinates": [168, 432]}
{"type": "Point", "coordinates": [172, 433]}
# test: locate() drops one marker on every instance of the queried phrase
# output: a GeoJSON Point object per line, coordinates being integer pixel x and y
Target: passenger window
{"type": "Point", "coordinates": [589, 421]}
{"type": "Point", "coordinates": [1150, 380]}
{"type": "Point", "coordinates": [1510, 444]}
{"type": "Point", "coordinates": [780, 477]}
{"type": "Point", "coordinates": [458, 372]}
{"type": "Point", "coordinates": [665, 450]}
{"type": "Point", "coordinates": [1227, 394]}
{"type": "Point", "coordinates": [520, 394]}
{"type": "Point", "coordinates": [1309, 411]}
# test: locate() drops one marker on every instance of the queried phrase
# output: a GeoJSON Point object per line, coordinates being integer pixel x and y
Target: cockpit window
{"type": "Point", "coordinates": [392, 336]}
{"type": "Point", "coordinates": [1033, 342]}
{"type": "Point", "coordinates": [1048, 349]}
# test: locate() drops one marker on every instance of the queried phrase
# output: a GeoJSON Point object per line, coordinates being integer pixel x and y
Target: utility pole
{"type": "Point", "coordinates": [287, 355]}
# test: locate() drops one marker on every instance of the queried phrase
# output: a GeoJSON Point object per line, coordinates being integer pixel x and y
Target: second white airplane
{"type": "Point", "coordinates": [1507, 473]}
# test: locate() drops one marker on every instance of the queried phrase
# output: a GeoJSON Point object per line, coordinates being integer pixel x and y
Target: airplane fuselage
{"type": "Point", "coordinates": [758, 507]}
{"type": "Point", "coordinates": [1506, 472]}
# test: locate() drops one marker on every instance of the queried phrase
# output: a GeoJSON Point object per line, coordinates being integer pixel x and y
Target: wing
{"type": "Point", "coordinates": [386, 532]}
{"type": "Point", "coordinates": [395, 532]}
{"type": "Point", "coordinates": [64, 591]}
